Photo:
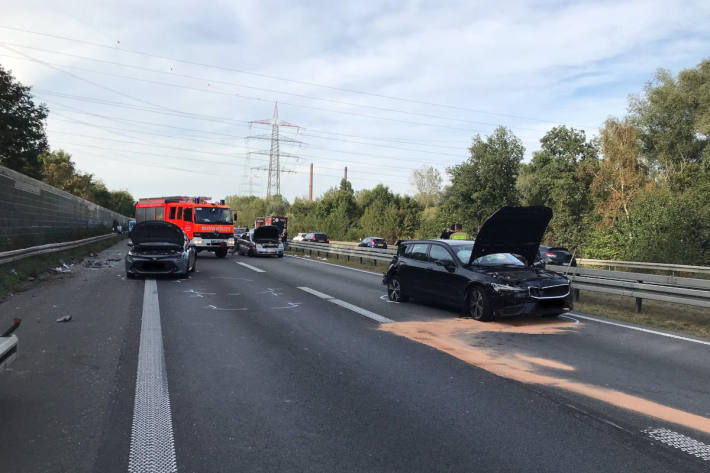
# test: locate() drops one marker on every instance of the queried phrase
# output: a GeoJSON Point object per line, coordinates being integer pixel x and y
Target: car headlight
{"type": "Point", "coordinates": [230, 241]}
{"type": "Point", "coordinates": [506, 288]}
{"type": "Point", "coordinates": [197, 241]}
{"type": "Point", "coordinates": [258, 245]}
{"type": "Point", "coordinates": [281, 246]}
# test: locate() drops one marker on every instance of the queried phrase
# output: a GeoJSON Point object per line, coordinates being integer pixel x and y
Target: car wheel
{"type": "Point", "coordinates": [478, 304]}
{"type": "Point", "coordinates": [395, 292]}
{"type": "Point", "coordinates": [194, 264]}
{"type": "Point", "coordinates": [221, 253]}
{"type": "Point", "coordinates": [281, 256]}
{"type": "Point", "coordinates": [251, 252]}
{"type": "Point", "coordinates": [130, 276]}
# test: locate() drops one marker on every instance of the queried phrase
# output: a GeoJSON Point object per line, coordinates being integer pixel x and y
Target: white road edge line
{"type": "Point", "coordinates": [681, 442]}
{"type": "Point", "coordinates": [152, 443]}
{"type": "Point", "coordinates": [253, 268]}
{"type": "Point", "coordinates": [347, 305]}
{"type": "Point", "coordinates": [337, 265]}
{"type": "Point", "coordinates": [640, 329]}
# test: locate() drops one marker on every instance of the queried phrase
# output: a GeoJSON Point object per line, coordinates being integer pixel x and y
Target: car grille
{"type": "Point", "coordinates": [561, 290]}
{"type": "Point", "coordinates": [213, 235]}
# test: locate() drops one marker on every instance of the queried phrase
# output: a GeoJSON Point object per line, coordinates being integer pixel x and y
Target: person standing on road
{"type": "Point", "coordinates": [446, 234]}
{"type": "Point", "coordinates": [458, 234]}
{"type": "Point", "coordinates": [284, 238]}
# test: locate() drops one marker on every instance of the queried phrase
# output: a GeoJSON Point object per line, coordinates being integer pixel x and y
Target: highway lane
{"type": "Point", "coordinates": [264, 376]}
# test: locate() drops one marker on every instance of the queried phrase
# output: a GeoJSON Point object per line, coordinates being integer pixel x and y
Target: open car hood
{"type": "Point", "coordinates": [267, 232]}
{"type": "Point", "coordinates": [516, 230]}
{"type": "Point", "coordinates": [157, 232]}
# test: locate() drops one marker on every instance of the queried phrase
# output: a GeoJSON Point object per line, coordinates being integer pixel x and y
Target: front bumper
{"type": "Point", "coordinates": [173, 264]}
{"type": "Point", "coordinates": [269, 251]}
{"type": "Point", "coordinates": [212, 243]}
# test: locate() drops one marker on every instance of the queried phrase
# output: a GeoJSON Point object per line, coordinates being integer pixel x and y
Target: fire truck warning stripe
{"type": "Point", "coordinates": [152, 443]}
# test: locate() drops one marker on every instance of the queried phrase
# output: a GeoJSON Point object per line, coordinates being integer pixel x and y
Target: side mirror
{"type": "Point", "coordinates": [448, 264]}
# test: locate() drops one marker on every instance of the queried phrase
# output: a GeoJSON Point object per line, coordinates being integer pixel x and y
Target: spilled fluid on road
{"type": "Point", "coordinates": [448, 336]}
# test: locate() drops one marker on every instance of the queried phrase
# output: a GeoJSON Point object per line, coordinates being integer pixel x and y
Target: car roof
{"type": "Point", "coordinates": [439, 240]}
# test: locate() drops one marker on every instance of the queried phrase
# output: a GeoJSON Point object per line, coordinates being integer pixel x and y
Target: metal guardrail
{"type": "Point", "coordinates": [674, 268]}
{"type": "Point", "coordinates": [15, 255]}
{"type": "Point", "coordinates": [687, 291]}
{"type": "Point", "coordinates": [376, 255]}
{"type": "Point", "coordinates": [667, 288]}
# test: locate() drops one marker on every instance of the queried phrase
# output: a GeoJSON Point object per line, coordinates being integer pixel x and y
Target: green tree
{"type": "Point", "coordinates": [487, 180]}
{"type": "Point", "coordinates": [122, 202]}
{"type": "Point", "coordinates": [22, 134]}
{"type": "Point", "coordinates": [673, 118]}
{"type": "Point", "coordinates": [427, 182]}
{"type": "Point", "coordinates": [560, 176]}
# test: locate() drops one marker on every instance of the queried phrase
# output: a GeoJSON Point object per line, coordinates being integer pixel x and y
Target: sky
{"type": "Point", "coordinates": [160, 98]}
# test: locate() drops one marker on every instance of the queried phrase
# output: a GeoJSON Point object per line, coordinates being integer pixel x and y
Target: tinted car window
{"type": "Point", "coordinates": [419, 251]}
{"type": "Point", "coordinates": [402, 249]}
{"type": "Point", "coordinates": [188, 215]}
{"type": "Point", "coordinates": [439, 253]}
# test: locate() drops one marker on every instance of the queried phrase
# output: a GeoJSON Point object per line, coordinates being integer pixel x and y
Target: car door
{"type": "Point", "coordinates": [445, 279]}
{"type": "Point", "coordinates": [413, 271]}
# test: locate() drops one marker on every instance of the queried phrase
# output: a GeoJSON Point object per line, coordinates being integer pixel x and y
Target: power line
{"type": "Point", "coordinates": [273, 77]}
{"type": "Point", "coordinates": [210, 81]}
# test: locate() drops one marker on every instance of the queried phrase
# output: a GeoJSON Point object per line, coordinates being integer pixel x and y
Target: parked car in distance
{"type": "Point", "coordinates": [494, 276]}
{"type": "Point", "coordinates": [261, 241]}
{"type": "Point", "coordinates": [555, 255]}
{"type": "Point", "coordinates": [159, 247]}
{"type": "Point", "coordinates": [373, 242]}
{"type": "Point", "coordinates": [299, 237]}
{"type": "Point", "coordinates": [316, 237]}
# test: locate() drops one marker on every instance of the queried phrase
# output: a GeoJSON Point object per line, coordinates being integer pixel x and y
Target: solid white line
{"type": "Point", "coordinates": [640, 329]}
{"type": "Point", "coordinates": [152, 444]}
{"type": "Point", "coordinates": [682, 442]}
{"type": "Point", "coordinates": [315, 293]}
{"type": "Point", "coordinates": [253, 268]}
{"type": "Point", "coordinates": [336, 265]}
{"type": "Point", "coordinates": [361, 311]}
{"type": "Point", "coordinates": [347, 305]}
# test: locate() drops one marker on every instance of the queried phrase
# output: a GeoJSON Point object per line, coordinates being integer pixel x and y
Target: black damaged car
{"type": "Point", "coordinates": [159, 247]}
{"type": "Point", "coordinates": [493, 276]}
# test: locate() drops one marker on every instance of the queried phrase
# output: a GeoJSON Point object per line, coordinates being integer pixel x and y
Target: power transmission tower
{"type": "Point", "coordinates": [274, 170]}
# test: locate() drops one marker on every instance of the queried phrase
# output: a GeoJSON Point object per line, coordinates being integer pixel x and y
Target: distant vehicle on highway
{"type": "Point", "coordinates": [316, 237]}
{"type": "Point", "coordinates": [261, 241]}
{"type": "Point", "coordinates": [495, 276]}
{"type": "Point", "coordinates": [299, 237]}
{"type": "Point", "coordinates": [159, 247]}
{"type": "Point", "coordinates": [373, 242]}
{"type": "Point", "coordinates": [556, 255]}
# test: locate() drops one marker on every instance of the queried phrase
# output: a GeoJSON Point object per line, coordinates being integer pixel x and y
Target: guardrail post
{"type": "Point", "coordinates": [576, 294]}
{"type": "Point", "coordinates": [638, 304]}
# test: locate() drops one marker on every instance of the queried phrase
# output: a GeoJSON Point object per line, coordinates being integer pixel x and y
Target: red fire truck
{"type": "Point", "coordinates": [209, 226]}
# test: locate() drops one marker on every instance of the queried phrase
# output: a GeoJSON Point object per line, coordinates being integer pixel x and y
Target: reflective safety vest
{"type": "Point", "coordinates": [459, 236]}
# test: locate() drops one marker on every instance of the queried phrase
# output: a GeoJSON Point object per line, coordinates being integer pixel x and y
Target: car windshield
{"type": "Point", "coordinates": [498, 259]}
{"type": "Point", "coordinates": [213, 215]}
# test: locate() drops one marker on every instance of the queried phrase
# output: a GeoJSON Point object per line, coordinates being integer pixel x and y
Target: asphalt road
{"type": "Point", "coordinates": [279, 366]}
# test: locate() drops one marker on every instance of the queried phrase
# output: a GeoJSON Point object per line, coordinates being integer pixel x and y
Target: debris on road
{"type": "Point", "coordinates": [63, 268]}
{"type": "Point", "coordinates": [66, 318]}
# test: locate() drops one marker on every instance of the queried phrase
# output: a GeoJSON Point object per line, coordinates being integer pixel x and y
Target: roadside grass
{"type": "Point", "coordinates": [354, 262]}
{"type": "Point", "coordinates": [20, 275]}
{"type": "Point", "coordinates": [686, 319]}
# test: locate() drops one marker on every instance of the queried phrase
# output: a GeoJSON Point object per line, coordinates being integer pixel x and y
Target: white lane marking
{"type": "Point", "coordinates": [253, 268]}
{"type": "Point", "coordinates": [336, 265]}
{"type": "Point", "coordinates": [569, 318]}
{"type": "Point", "coordinates": [315, 293]}
{"type": "Point", "coordinates": [152, 444]}
{"type": "Point", "coordinates": [220, 308]}
{"type": "Point", "coordinates": [640, 329]}
{"type": "Point", "coordinates": [347, 305]}
{"type": "Point", "coordinates": [291, 305]}
{"type": "Point", "coordinates": [681, 442]}
{"type": "Point", "coordinates": [361, 311]}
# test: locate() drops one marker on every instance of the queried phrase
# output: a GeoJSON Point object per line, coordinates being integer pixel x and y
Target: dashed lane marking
{"type": "Point", "coordinates": [640, 329]}
{"type": "Point", "coordinates": [681, 442]}
{"type": "Point", "coordinates": [315, 293]}
{"type": "Point", "coordinates": [253, 268]}
{"type": "Point", "coordinates": [336, 265]}
{"type": "Point", "coordinates": [152, 443]}
{"type": "Point", "coordinates": [347, 305]}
